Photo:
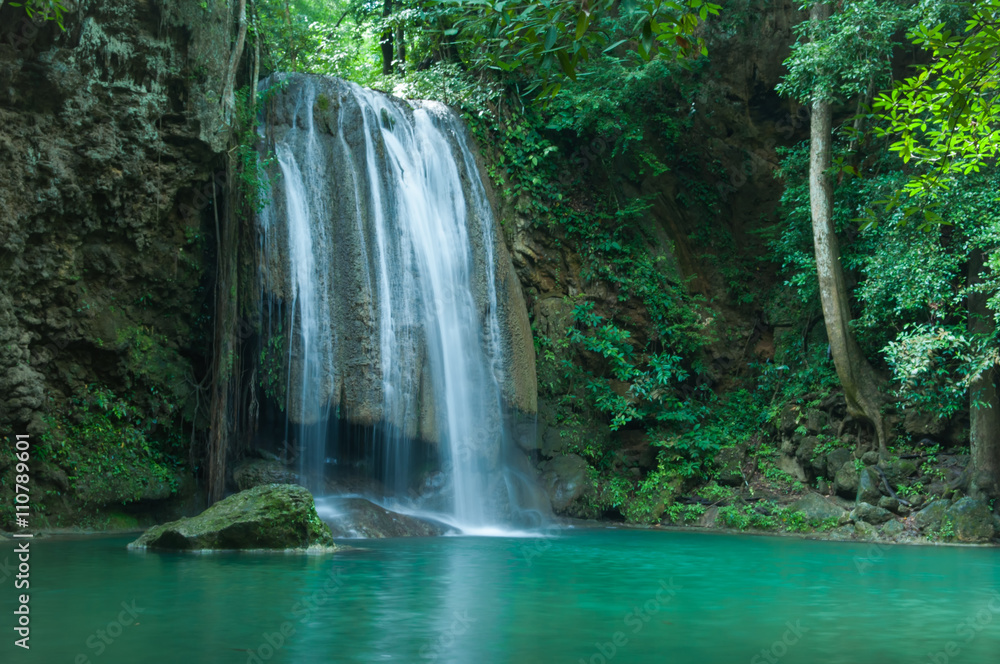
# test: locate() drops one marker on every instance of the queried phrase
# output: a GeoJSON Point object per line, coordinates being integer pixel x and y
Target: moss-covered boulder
{"type": "Point", "coordinates": [931, 516]}
{"type": "Point", "coordinates": [868, 486]}
{"type": "Point", "coordinates": [870, 513]}
{"type": "Point", "coordinates": [729, 462]}
{"type": "Point", "coordinates": [971, 520]}
{"type": "Point", "coordinates": [817, 508]}
{"type": "Point", "coordinates": [846, 481]}
{"type": "Point", "coordinates": [272, 516]}
{"type": "Point", "coordinates": [893, 529]}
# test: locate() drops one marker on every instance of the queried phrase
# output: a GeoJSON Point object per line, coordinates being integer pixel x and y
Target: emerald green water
{"type": "Point", "coordinates": [664, 596]}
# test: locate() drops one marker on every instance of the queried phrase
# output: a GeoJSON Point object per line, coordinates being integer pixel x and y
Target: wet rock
{"type": "Point", "coordinates": [565, 479]}
{"type": "Point", "coordinates": [845, 532]}
{"type": "Point", "coordinates": [870, 458]}
{"type": "Point", "coordinates": [865, 531]}
{"type": "Point", "coordinates": [729, 462]}
{"type": "Point", "coordinates": [256, 472]}
{"type": "Point", "coordinates": [870, 514]}
{"type": "Point", "coordinates": [971, 520]}
{"type": "Point", "coordinates": [930, 516]}
{"type": "Point", "coordinates": [868, 486]}
{"type": "Point", "coordinates": [357, 517]}
{"type": "Point", "coordinates": [274, 516]}
{"type": "Point", "coordinates": [817, 508]}
{"type": "Point", "coordinates": [893, 528]}
{"type": "Point", "coordinates": [846, 481]}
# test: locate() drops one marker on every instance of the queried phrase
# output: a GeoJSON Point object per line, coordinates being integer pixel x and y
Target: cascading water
{"type": "Point", "coordinates": [389, 294]}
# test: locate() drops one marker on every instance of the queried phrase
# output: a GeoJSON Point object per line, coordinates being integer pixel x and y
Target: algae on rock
{"type": "Point", "coordinates": [271, 516]}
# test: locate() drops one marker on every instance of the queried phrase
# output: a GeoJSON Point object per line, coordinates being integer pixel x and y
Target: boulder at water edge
{"type": "Point", "coordinates": [971, 520]}
{"type": "Point", "coordinates": [271, 516]}
{"type": "Point", "coordinates": [358, 517]}
{"type": "Point", "coordinates": [817, 508]}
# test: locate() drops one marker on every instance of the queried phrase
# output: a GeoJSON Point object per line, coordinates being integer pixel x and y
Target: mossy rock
{"type": "Point", "coordinates": [272, 516]}
{"type": "Point", "coordinates": [817, 508]}
{"type": "Point", "coordinates": [893, 529]}
{"type": "Point", "coordinates": [846, 481]}
{"type": "Point", "coordinates": [868, 486]}
{"type": "Point", "coordinates": [870, 513]}
{"type": "Point", "coordinates": [971, 520]}
{"type": "Point", "coordinates": [930, 517]}
{"type": "Point", "coordinates": [729, 462]}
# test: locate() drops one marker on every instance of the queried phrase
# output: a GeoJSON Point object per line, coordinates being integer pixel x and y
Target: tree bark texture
{"type": "Point", "coordinates": [856, 376]}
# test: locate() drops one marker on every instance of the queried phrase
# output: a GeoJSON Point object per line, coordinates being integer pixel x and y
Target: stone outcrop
{"type": "Point", "coordinates": [356, 385]}
{"type": "Point", "coordinates": [357, 517]}
{"type": "Point", "coordinates": [110, 133]}
{"type": "Point", "coordinates": [272, 516]}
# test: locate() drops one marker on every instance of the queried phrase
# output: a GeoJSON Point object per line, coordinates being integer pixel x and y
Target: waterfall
{"type": "Point", "coordinates": [388, 293]}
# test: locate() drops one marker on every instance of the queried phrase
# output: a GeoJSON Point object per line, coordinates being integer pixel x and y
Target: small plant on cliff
{"type": "Point", "coordinates": [45, 10]}
{"type": "Point", "coordinates": [252, 178]}
{"type": "Point", "coordinates": [108, 449]}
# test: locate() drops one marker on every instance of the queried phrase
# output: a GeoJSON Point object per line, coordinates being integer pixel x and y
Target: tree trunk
{"type": "Point", "coordinates": [228, 92]}
{"type": "Point", "coordinates": [860, 385]}
{"type": "Point", "coordinates": [386, 42]}
{"type": "Point", "coordinates": [984, 407]}
{"type": "Point", "coordinates": [400, 49]}
{"type": "Point", "coordinates": [291, 37]}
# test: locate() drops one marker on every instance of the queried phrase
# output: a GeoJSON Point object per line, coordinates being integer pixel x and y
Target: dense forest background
{"type": "Point", "coordinates": [758, 240]}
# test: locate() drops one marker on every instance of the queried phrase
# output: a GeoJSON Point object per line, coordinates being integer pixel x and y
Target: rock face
{"type": "Point", "coordinates": [273, 516]}
{"type": "Point", "coordinates": [256, 472]}
{"type": "Point", "coordinates": [870, 514]}
{"type": "Point", "coordinates": [868, 486]}
{"type": "Point", "coordinates": [931, 516]}
{"type": "Point", "coordinates": [846, 481]}
{"type": "Point", "coordinates": [110, 133]}
{"type": "Point", "coordinates": [357, 517]}
{"type": "Point", "coordinates": [729, 461]}
{"type": "Point", "coordinates": [359, 303]}
{"type": "Point", "coordinates": [817, 508]}
{"type": "Point", "coordinates": [566, 480]}
{"type": "Point", "coordinates": [971, 520]}
{"type": "Point", "coordinates": [893, 529]}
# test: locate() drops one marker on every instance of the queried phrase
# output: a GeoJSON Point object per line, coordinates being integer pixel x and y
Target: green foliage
{"type": "Point", "coordinates": [109, 448]}
{"type": "Point", "coordinates": [936, 366]}
{"type": "Point", "coordinates": [251, 170]}
{"type": "Point", "coordinates": [766, 515]}
{"type": "Point", "coordinates": [946, 115]}
{"type": "Point", "coordinates": [553, 39]}
{"type": "Point", "coordinates": [849, 54]}
{"type": "Point", "coordinates": [272, 367]}
{"type": "Point", "coordinates": [944, 533]}
{"type": "Point", "coordinates": [46, 10]}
